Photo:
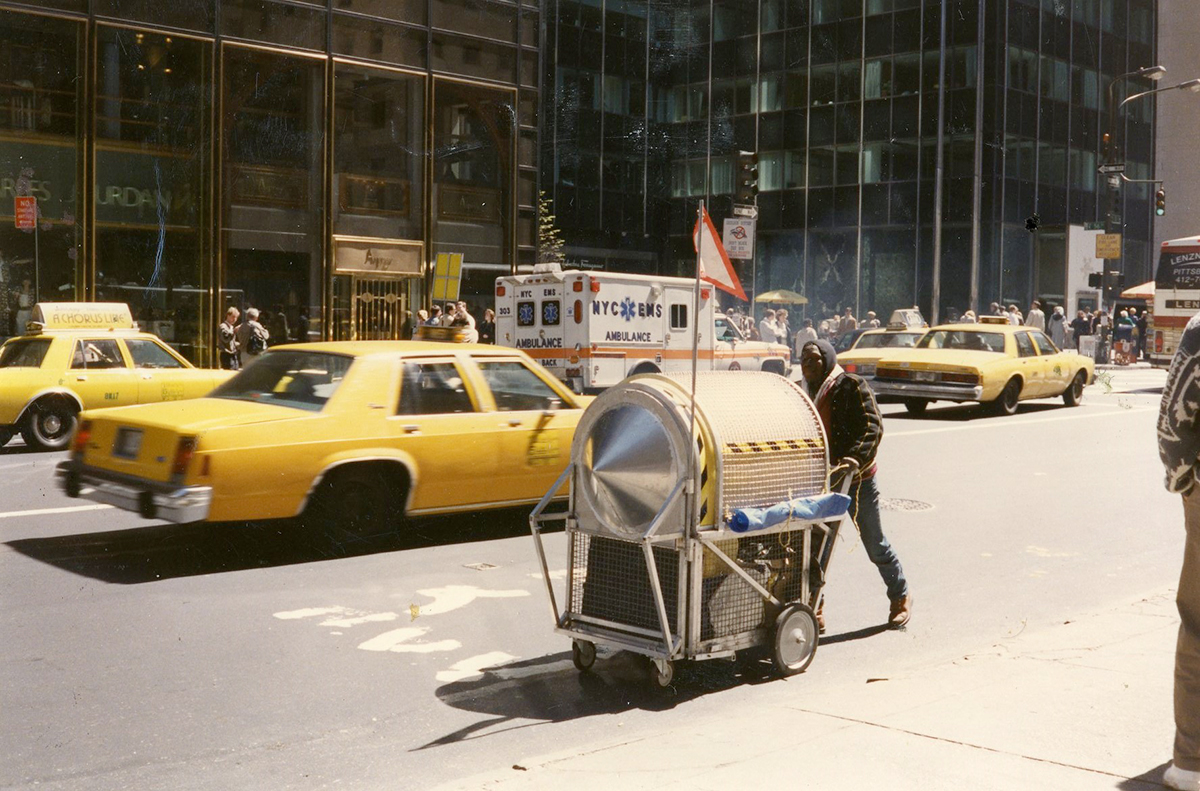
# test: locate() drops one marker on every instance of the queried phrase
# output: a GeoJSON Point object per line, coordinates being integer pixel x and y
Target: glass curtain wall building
{"type": "Point", "coordinates": [651, 101]}
{"type": "Point", "coordinates": [309, 159]}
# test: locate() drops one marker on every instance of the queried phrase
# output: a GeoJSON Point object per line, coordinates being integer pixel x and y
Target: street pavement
{"type": "Point", "coordinates": [1042, 551]}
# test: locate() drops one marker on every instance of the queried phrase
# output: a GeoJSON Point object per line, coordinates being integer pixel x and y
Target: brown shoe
{"type": "Point", "coordinates": [901, 611]}
{"type": "Point", "coordinates": [821, 616]}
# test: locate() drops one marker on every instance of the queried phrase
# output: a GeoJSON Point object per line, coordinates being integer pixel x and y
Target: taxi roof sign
{"type": "Point", "coordinates": [81, 316]}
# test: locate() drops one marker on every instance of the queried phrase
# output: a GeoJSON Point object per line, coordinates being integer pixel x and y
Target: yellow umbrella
{"type": "Point", "coordinates": [782, 295]}
{"type": "Point", "coordinates": [1144, 291]}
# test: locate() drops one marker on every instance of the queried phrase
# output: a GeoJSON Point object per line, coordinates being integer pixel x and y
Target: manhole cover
{"type": "Point", "coordinates": [900, 504]}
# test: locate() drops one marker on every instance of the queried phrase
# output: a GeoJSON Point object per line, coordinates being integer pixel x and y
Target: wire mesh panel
{"type": "Point", "coordinates": [610, 581]}
{"type": "Point", "coordinates": [769, 435]}
{"type": "Point", "coordinates": [729, 604]}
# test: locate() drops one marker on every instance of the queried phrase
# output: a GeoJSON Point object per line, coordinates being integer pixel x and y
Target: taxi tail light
{"type": "Point", "coordinates": [83, 435]}
{"type": "Point", "coordinates": [1158, 341]}
{"type": "Point", "coordinates": [204, 466]}
{"type": "Point", "coordinates": [966, 379]}
{"type": "Point", "coordinates": [500, 290]}
{"type": "Point", "coordinates": [850, 368]}
{"type": "Point", "coordinates": [893, 373]}
{"type": "Point", "coordinates": [184, 452]}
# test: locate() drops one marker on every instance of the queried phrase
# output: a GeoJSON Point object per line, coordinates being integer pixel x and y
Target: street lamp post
{"type": "Point", "coordinates": [1112, 170]}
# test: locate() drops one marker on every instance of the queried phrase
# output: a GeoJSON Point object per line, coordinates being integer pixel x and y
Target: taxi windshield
{"type": "Point", "coordinates": [969, 340]}
{"type": "Point", "coordinates": [24, 353]}
{"type": "Point", "coordinates": [888, 340]}
{"type": "Point", "coordinates": [291, 378]}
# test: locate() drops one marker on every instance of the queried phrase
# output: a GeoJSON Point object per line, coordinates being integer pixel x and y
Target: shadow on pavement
{"type": "Point", "coordinates": [549, 690]}
{"type": "Point", "coordinates": [857, 634]}
{"type": "Point", "coordinates": [965, 412]}
{"type": "Point", "coordinates": [1149, 779]}
{"type": "Point", "coordinates": [158, 552]}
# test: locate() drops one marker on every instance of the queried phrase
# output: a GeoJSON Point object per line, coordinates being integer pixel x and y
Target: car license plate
{"type": "Point", "coordinates": [129, 442]}
{"type": "Point", "coordinates": [924, 376]}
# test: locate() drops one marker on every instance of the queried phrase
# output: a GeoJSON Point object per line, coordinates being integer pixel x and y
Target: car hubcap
{"type": "Point", "coordinates": [51, 425]}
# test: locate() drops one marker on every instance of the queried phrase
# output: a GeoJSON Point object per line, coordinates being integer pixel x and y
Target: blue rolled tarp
{"type": "Point", "coordinates": [818, 508]}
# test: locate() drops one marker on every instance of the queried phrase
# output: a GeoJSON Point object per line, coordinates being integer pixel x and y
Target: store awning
{"type": "Point", "coordinates": [782, 295]}
{"type": "Point", "coordinates": [1144, 291]}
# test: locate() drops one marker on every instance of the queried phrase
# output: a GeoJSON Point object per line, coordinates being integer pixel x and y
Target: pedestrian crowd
{"type": "Point", "coordinates": [1122, 340]}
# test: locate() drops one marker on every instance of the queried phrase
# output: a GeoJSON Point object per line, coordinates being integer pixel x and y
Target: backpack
{"type": "Point", "coordinates": [256, 343]}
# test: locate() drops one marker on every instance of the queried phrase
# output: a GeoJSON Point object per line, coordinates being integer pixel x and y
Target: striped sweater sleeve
{"type": "Point", "coordinates": [1178, 429]}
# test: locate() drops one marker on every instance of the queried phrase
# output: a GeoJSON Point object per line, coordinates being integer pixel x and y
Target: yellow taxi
{"type": "Point", "coordinates": [77, 356]}
{"type": "Point", "coordinates": [357, 433]}
{"type": "Point", "coordinates": [998, 365]}
{"type": "Point", "coordinates": [864, 350]}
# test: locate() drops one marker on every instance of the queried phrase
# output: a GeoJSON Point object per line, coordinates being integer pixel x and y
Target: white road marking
{"type": "Point", "coordinates": [374, 617]}
{"type": "Point", "coordinates": [473, 666]}
{"type": "Point", "coordinates": [310, 612]}
{"type": "Point", "coordinates": [1009, 424]}
{"type": "Point", "coordinates": [1042, 552]}
{"type": "Point", "coordinates": [43, 511]}
{"type": "Point", "coordinates": [453, 597]}
{"type": "Point", "coordinates": [560, 574]}
{"type": "Point", "coordinates": [397, 640]}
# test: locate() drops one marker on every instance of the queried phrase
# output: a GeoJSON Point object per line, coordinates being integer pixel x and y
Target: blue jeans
{"type": "Point", "coordinates": [865, 511]}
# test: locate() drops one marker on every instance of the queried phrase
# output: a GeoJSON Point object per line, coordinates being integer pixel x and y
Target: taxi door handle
{"type": "Point", "coordinates": [514, 422]}
{"type": "Point", "coordinates": [411, 428]}
{"type": "Point", "coordinates": [81, 378]}
{"type": "Point", "coordinates": [147, 376]}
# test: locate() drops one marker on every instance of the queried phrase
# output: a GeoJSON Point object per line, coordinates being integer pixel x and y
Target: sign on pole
{"type": "Point", "coordinates": [447, 274]}
{"type": "Point", "coordinates": [25, 212]}
{"type": "Point", "coordinates": [739, 237]}
{"type": "Point", "coordinates": [1108, 245]}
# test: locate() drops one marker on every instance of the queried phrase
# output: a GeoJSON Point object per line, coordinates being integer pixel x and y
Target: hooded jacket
{"type": "Point", "coordinates": [848, 411]}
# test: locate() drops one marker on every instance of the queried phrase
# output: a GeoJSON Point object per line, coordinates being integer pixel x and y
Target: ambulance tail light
{"type": "Point", "coordinates": [1158, 341]}
{"type": "Point", "coordinates": [578, 310]}
{"type": "Point", "coordinates": [705, 293]}
{"type": "Point", "coordinates": [577, 285]}
{"type": "Point", "coordinates": [595, 285]}
{"type": "Point", "coordinates": [184, 452]}
{"type": "Point", "coordinates": [500, 291]}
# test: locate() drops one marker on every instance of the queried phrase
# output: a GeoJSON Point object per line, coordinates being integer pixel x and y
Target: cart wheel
{"type": "Point", "coordinates": [663, 672]}
{"type": "Point", "coordinates": [583, 654]}
{"type": "Point", "coordinates": [795, 639]}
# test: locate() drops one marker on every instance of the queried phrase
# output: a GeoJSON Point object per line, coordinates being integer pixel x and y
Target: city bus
{"type": "Point", "coordinates": [1176, 297]}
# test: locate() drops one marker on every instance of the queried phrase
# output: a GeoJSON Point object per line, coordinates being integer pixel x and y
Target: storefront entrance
{"type": "Point", "coordinates": [380, 309]}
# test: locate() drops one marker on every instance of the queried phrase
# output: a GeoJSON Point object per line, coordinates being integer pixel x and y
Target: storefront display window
{"type": "Point", "coordinates": [472, 182]}
{"type": "Point", "coordinates": [272, 187]}
{"type": "Point", "coordinates": [151, 144]}
{"type": "Point", "coordinates": [40, 96]}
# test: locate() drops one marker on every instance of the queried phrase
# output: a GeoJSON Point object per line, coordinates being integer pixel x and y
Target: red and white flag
{"type": "Point", "coordinates": [714, 261]}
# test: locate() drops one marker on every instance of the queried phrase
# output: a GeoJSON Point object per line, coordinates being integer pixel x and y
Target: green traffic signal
{"type": "Point", "coordinates": [1160, 203]}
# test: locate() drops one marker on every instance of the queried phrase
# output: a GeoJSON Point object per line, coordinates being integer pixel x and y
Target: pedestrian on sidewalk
{"type": "Point", "coordinates": [1036, 317]}
{"type": "Point", "coordinates": [854, 426]}
{"type": "Point", "coordinates": [1179, 449]}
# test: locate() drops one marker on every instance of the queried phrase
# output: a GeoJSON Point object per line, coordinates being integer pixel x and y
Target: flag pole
{"type": "Point", "coordinates": [698, 236]}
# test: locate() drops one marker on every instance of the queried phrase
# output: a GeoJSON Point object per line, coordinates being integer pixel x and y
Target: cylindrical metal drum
{"type": "Point", "coordinates": [757, 440]}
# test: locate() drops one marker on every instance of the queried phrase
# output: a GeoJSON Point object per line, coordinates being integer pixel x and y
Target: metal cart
{"type": "Point", "coordinates": [653, 564]}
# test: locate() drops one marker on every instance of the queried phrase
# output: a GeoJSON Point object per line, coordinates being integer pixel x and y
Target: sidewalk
{"type": "Point", "coordinates": [1084, 705]}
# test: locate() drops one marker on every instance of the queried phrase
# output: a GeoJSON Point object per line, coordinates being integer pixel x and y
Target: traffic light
{"type": "Point", "coordinates": [1032, 222]}
{"type": "Point", "coordinates": [1105, 145]}
{"type": "Point", "coordinates": [747, 178]}
{"type": "Point", "coordinates": [1095, 279]}
{"type": "Point", "coordinates": [1160, 202]}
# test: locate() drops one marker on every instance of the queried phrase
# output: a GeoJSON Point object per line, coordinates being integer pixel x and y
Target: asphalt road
{"type": "Point", "coordinates": [136, 654]}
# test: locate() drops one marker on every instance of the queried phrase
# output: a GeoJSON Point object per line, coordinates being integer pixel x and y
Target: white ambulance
{"type": "Point", "coordinates": [592, 329]}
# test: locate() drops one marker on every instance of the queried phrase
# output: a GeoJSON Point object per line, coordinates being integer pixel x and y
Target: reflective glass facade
{"type": "Point", "coordinates": [652, 99]}
{"type": "Point", "coordinates": [305, 158]}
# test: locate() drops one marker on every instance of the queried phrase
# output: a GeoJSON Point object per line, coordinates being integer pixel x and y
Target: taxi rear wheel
{"type": "Point", "coordinates": [1010, 396]}
{"type": "Point", "coordinates": [49, 424]}
{"type": "Point", "coordinates": [359, 501]}
{"type": "Point", "coordinates": [1074, 392]}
